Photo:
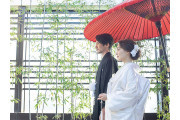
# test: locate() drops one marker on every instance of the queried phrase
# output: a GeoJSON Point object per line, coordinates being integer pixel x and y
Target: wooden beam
{"type": "Point", "coordinates": [19, 59]}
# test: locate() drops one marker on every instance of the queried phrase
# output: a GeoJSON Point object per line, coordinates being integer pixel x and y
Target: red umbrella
{"type": "Point", "coordinates": [133, 19]}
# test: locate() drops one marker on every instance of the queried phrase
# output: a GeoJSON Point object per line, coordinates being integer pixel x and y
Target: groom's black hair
{"type": "Point", "coordinates": [105, 39]}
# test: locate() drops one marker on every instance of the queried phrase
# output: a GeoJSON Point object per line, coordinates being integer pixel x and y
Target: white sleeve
{"type": "Point", "coordinates": [126, 98]}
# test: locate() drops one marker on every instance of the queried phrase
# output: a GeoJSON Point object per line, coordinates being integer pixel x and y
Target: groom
{"type": "Point", "coordinates": [106, 68]}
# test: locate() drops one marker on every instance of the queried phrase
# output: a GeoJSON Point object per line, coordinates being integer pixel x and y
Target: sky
{"type": "Point", "coordinates": [4, 70]}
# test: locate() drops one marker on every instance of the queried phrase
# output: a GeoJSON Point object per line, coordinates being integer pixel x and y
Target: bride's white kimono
{"type": "Point", "coordinates": [126, 94]}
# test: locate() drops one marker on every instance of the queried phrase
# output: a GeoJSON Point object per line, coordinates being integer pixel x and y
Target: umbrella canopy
{"type": "Point", "coordinates": [132, 19]}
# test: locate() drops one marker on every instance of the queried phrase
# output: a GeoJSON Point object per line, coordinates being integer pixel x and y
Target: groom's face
{"type": "Point", "coordinates": [100, 48]}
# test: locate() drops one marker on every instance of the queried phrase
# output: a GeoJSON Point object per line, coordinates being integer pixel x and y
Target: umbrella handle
{"type": "Point", "coordinates": [101, 111]}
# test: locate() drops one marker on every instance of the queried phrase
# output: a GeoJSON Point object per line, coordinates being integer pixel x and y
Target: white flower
{"type": "Point", "coordinates": [135, 50]}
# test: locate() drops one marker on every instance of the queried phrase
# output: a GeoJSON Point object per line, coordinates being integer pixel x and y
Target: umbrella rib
{"type": "Point", "coordinates": [164, 25]}
{"type": "Point", "coordinates": [147, 31]}
{"type": "Point", "coordinates": [127, 28]}
{"type": "Point", "coordinates": [115, 24]}
{"type": "Point", "coordinates": [122, 26]}
{"type": "Point", "coordinates": [100, 27]}
{"type": "Point", "coordinates": [152, 29]}
{"type": "Point", "coordinates": [128, 17]}
{"type": "Point", "coordinates": [143, 28]}
{"type": "Point", "coordinates": [124, 19]}
{"type": "Point", "coordinates": [136, 28]}
{"type": "Point", "coordinates": [118, 31]}
{"type": "Point", "coordinates": [167, 21]}
{"type": "Point", "coordinates": [140, 28]}
{"type": "Point", "coordinates": [132, 26]}
{"type": "Point", "coordinates": [104, 24]}
{"type": "Point", "coordinates": [167, 18]}
{"type": "Point", "coordinates": [109, 25]}
{"type": "Point", "coordinates": [94, 31]}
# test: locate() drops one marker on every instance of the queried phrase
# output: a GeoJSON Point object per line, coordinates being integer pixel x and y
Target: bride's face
{"type": "Point", "coordinates": [121, 53]}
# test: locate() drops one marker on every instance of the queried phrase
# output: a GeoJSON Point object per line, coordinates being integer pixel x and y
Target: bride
{"type": "Point", "coordinates": [127, 90]}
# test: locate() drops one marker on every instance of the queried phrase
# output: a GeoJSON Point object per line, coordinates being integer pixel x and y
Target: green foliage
{"type": "Point", "coordinates": [57, 117]}
{"type": "Point", "coordinates": [160, 80]}
{"type": "Point", "coordinates": [164, 115]}
{"type": "Point", "coordinates": [64, 61]}
{"type": "Point", "coordinates": [15, 100]}
{"type": "Point", "coordinates": [42, 117]}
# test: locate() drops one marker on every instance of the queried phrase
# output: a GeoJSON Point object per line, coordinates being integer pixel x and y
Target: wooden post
{"type": "Point", "coordinates": [19, 59]}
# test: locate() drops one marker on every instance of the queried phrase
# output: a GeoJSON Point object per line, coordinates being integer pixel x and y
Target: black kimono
{"type": "Point", "coordinates": [103, 75]}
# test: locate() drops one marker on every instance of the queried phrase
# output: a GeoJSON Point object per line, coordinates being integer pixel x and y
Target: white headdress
{"type": "Point", "coordinates": [135, 50]}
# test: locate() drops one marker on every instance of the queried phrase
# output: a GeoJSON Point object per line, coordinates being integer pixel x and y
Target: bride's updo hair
{"type": "Point", "coordinates": [128, 45]}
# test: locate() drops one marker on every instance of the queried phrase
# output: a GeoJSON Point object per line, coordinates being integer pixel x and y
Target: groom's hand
{"type": "Point", "coordinates": [102, 96]}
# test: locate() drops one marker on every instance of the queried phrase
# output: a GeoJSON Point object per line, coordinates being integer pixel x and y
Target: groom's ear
{"type": "Point", "coordinates": [107, 45]}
